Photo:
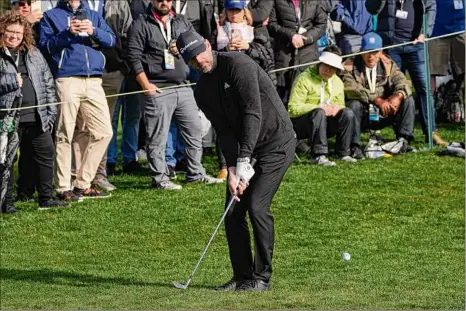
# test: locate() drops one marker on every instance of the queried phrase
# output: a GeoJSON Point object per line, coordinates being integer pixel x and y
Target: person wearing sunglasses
{"type": "Point", "coordinates": [24, 8]}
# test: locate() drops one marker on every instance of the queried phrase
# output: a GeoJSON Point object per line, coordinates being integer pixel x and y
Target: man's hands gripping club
{"type": "Point", "coordinates": [239, 177]}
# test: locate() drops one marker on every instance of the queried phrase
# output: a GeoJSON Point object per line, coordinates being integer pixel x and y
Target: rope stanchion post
{"type": "Point", "coordinates": [430, 117]}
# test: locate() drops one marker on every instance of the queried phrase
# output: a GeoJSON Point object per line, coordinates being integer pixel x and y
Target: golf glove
{"type": "Point", "coordinates": [244, 171]}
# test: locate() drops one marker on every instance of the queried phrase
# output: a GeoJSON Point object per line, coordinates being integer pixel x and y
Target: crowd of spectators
{"type": "Point", "coordinates": [63, 64]}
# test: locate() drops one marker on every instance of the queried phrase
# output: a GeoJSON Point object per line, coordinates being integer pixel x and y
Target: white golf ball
{"type": "Point", "coordinates": [346, 256]}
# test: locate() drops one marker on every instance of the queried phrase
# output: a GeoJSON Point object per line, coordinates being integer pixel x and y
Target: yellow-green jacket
{"type": "Point", "coordinates": [305, 94]}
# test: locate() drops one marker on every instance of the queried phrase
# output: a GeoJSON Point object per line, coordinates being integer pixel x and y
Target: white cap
{"type": "Point", "coordinates": [332, 60]}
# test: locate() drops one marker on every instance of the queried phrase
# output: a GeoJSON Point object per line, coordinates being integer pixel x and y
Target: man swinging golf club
{"type": "Point", "coordinates": [241, 102]}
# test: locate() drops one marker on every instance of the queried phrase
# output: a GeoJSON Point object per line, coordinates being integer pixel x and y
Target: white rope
{"type": "Point", "coordinates": [276, 70]}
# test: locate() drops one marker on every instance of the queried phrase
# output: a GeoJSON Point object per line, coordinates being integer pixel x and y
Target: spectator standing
{"type": "Point", "coordinates": [156, 63]}
{"type": "Point", "coordinates": [295, 26]}
{"type": "Point", "coordinates": [401, 21]}
{"type": "Point", "coordinates": [356, 21]}
{"type": "Point", "coordinates": [317, 108]}
{"type": "Point", "coordinates": [377, 89]}
{"type": "Point", "coordinates": [447, 54]}
{"type": "Point", "coordinates": [24, 7]}
{"type": "Point", "coordinates": [73, 43]}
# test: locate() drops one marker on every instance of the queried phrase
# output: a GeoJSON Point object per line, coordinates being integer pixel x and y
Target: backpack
{"type": "Point", "coordinates": [449, 107]}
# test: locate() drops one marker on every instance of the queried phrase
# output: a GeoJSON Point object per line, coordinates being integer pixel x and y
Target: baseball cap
{"type": "Point", "coordinates": [371, 41]}
{"type": "Point", "coordinates": [234, 4]}
{"type": "Point", "coordinates": [190, 44]}
{"type": "Point", "coordinates": [331, 59]}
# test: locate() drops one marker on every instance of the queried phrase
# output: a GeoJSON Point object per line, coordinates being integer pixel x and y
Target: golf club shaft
{"type": "Point", "coordinates": [230, 204]}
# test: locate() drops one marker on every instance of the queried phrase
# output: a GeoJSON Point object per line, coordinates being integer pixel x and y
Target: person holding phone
{"type": "Point", "coordinates": [73, 41]}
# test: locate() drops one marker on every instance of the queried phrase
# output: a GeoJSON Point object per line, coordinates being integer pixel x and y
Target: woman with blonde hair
{"type": "Point", "coordinates": [25, 81]}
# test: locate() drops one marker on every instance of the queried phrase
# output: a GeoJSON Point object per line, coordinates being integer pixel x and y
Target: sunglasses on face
{"type": "Point", "coordinates": [24, 3]}
{"type": "Point", "coordinates": [160, 1]}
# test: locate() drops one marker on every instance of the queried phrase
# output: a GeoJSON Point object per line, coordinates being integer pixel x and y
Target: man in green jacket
{"type": "Point", "coordinates": [377, 91]}
{"type": "Point", "coordinates": [317, 108]}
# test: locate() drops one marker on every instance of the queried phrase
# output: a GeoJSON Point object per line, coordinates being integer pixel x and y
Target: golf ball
{"type": "Point", "coordinates": [346, 256]}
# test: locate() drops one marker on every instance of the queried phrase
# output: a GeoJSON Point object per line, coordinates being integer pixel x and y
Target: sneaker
{"type": "Point", "coordinates": [322, 160]}
{"type": "Point", "coordinates": [51, 203]}
{"type": "Point", "coordinates": [254, 285]}
{"type": "Point", "coordinates": [171, 172]}
{"type": "Point", "coordinates": [69, 196]}
{"type": "Point", "coordinates": [222, 174]}
{"type": "Point", "coordinates": [141, 155]}
{"type": "Point", "coordinates": [168, 185]}
{"type": "Point", "coordinates": [438, 140]}
{"type": "Point", "coordinates": [348, 159]}
{"type": "Point", "coordinates": [90, 193]}
{"type": "Point", "coordinates": [229, 286]}
{"type": "Point", "coordinates": [209, 180]}
{"type": "Point", "coordinates": [405, 147]}
{"type": "Point", "coordinates": [357, 153]}
{"type": "Point", "coordinates": [104, 184]}
{"type": "Point", "coordinates": [133, 167]}
{"type": "Point", "coordinates": [9, 209]}
{"type": "Point", "coordinates": [111, 169]}
{"type": "Point", "coordinates": [23, 197]}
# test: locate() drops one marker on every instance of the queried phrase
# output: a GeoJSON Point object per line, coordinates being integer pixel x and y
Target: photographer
{"type": "Point", "coordinates": [73, 36]}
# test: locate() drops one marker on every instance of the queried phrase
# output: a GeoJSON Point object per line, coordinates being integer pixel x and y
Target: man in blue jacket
{"type": "Point", "coordinates": [355, 21]}
{"type": "Point", "coordinates": [73, 36]}
{"type": "Point", "coordinates": [448, 53]}
{"type": "Point", "coordinates": [401, 21]}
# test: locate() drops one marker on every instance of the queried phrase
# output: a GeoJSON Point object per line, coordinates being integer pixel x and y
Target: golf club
{"type": "Point", "coordinates": [185, 285]}
{"type": "Point", "coordinates": [227, 209]}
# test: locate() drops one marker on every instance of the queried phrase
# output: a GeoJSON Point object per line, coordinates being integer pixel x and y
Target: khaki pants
{"type": "Point", "coordinates": [111, 83]}
{"type": "Point", "coordinates": [86, 108]}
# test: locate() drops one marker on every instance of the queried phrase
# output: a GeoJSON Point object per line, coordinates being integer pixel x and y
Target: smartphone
{"type": "Point", "coordinates": [80, 14]}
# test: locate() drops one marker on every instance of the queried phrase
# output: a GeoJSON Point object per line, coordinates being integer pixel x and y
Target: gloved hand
{"type": "Point", "coordinates": [244, 171]}
{"type": "Point", "coordinates": [383, 105]}
{"type": "Point", "coordinates": [395, 102]}
{"type": "Point", "coordinates": [239, 177]}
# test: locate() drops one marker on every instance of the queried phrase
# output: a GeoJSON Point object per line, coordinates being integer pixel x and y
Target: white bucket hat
{"type": "Point", "coordinates": [332, 60]}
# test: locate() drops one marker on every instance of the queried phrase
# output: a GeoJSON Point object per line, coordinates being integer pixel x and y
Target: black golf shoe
{"type": "Point", "coordinates": [254, 285]}
{"type": "Point", "coordinates": [229, 286]}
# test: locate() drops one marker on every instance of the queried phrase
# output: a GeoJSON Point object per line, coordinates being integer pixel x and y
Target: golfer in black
{"type": "Point", "coordinates": [241, 102]}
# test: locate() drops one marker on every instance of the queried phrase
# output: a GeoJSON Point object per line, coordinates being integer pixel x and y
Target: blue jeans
{"type": "Point", "coordinates": [174, 149]}
{"type": "Point", "coordinates": [411, 58]}
{"type": "Point", "coordinates": [130, 117]}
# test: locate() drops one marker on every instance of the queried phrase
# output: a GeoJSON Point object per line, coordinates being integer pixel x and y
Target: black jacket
{"type": "Point", "coordinates": [146, 46]}
{"type": "Point", "coordinates": [386, 10]}
{"type": "Point", "coordinates": [243, 106]}
{"type": "Point", "coordinates": [283, 25]}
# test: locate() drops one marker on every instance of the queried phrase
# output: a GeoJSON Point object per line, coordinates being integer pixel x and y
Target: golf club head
{"type": "Point", "coordinates": [180, 285]}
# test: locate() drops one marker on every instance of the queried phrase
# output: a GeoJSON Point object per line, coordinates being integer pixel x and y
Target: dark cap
{"type": "Point", "coordinates": [190, 44]}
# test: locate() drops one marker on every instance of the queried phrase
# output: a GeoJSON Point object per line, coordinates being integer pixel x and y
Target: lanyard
{"type": "Point", "coordinates": [322, 92]}
{"type": "Point", "coordinates": [178, 7]}
{"type": "Point", "coordinates": [167, 35]}
{"type": "Point", "coordinates": [93, 5]}
{"type": "Point", "coordinates": [402, 3]}
{"type": "Point", "coordinates": [371, 75]}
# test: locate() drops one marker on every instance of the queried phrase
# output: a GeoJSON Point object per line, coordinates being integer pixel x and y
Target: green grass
{"type": "Point", "coordinates": [401, 219]}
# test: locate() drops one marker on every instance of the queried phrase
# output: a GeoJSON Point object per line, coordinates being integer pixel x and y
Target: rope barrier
{"type": "Point", "coordinates": [272, 71]}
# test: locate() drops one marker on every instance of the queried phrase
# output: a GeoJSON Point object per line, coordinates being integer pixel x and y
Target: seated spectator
{"type": "Point", "coordinates": [156, 62]}
{"type": "Point", "coordinates": [235, 33]}
{"type": "Point", "coordinates": [373, 81]}
{"type": "Point", "coordinates": [77, 63]}
{"type": "Point", "coordinates": [356, 22]}
{"type": "Point", "coordinates": [317, 108]}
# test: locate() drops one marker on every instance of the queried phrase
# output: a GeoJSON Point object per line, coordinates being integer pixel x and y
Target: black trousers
{"type": "Point", "coordinates": [317, 127]}
{"type": "Point", "coordinates": [36, 161]}
{"type": "Point", "coordinates": [256, 200]}
{"type": "Point", "coordinates": [402, 122]}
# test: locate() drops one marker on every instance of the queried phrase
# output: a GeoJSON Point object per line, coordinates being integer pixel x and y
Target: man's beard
{"type": "Point", "coordinates": [162, 12]}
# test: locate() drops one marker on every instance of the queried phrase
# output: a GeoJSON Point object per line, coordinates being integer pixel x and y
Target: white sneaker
{"type": "Point", "coordinates": [141, 155]}
{"type": "Point", "coordinates": [322, 160]}
{"type": "Point", "coordinates": [168, 185]}
{"type": "Point", "coordinates": [349, 159]}
{"type": "Point", "coordinates": [209, 180]}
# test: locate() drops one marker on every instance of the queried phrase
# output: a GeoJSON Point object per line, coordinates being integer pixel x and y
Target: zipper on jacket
{"type": "Point", "coordinates": [87, 62]}
{"type": "Point", "coordinates": [60, 63]}
{"type": "Point", "coordinates": [105, 59]}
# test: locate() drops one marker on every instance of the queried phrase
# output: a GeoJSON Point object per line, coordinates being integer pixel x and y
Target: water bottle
{"type": "Point", "coordinates": [373, 113]}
